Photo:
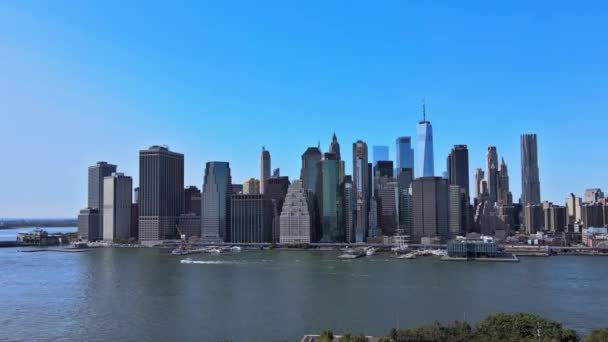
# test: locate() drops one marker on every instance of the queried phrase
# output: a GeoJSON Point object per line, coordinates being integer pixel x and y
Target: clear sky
{"type": "Point", "coordinates": [82, 81]}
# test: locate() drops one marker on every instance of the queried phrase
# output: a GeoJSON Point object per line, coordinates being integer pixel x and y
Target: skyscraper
{"type": "Point", "coordinates": [479, 178]}
{"type": "Point", "coordinates": [425, 164]}
{"type": "Point", "coordinates": [97, 173]}
{"type": "Point", "coordinates": [276, 190]}
{"type": "Point", "coordinates": [161, 192]}
{"type": "Point", "coordinates": [592, 195]}
{"type": "Point", "coordinates": [530, 182]}
{"type": "Point", "coordinates": [296, 218]}
{"type": "Point", "coordinates": [380, 153]}
{"type": "Point", "coordinates": [308, 172]}
{"type": "Point", "coordinates": [251, 219]}
{"type": "Point", "coordinates": [573, 204]}
{"type": "Point", "coordinates": [330, 178]}
{"type": "Point", "coordinates": [348, 210]}
{"type": "Point", "coordinates": [458, 167]}
{"type": "Point", "coordinates": [88, 224]}
{"type": "Point", "coordinates": [430, 208]}
{"type": "Point", "coordinates": [334, 146]}
{"type": "Point", "coordinates": [192, 202]}
{"type": "Point", "coordinates": [387, 201]}
{"type": "Point", "coordinates": [117, 198]}
{"type": "Point", "coordinates": [361, 189]}
{"type": "Point", "coordinates": [264, 169]}
{"type": "Point", "coordinates": [455, 203]}
{"type": "Point", "coordinates": [504, 195]}
{"type": "Point", "coordinates": [215, 202]}
{"type": "Point", "coordinates": [404, 153]}
{"type": "Point", "coordinates": [492, 174]}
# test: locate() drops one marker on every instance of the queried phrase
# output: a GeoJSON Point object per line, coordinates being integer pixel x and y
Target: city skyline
{"type": "Point", "coordinates": [198, 85]}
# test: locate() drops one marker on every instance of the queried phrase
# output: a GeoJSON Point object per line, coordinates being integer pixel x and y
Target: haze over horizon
{"type": "Point", "coordinates": [217, 81]}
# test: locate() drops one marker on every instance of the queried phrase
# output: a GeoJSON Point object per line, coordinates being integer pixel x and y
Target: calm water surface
{"type": "Point", "coordinates": [119, 294]}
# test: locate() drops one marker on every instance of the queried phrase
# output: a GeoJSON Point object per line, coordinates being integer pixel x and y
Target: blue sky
{"type": "Point", "coordinates": [88, 81]}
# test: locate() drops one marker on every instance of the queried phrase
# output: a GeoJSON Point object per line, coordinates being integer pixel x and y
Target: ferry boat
{"type": "Point", "coordinates": [370, 251]}
{"type": "Point", "coordinates": [235, 249]}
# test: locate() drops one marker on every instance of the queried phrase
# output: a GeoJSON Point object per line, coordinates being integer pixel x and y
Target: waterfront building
{"type": "Point", "coordinates": [264, 169]}
{"type": "Point", "coordinates": [592, 215]}
{"type": "Point", "coordinates": [533, 218]}
{"type": "Point", "coordinates": [593, 195]}
{"type": "Point", "coordinates": [492, 174]}
{"type": "Point", "coordinates": [374, 229]}
{"type": "Point", "coordinates": [330, 179]}
{"type": "Point", "coordinates": [504, 195]}
{"type": "Point", "coordinates": [308, 172]}
{"type": "Point", "coordinates": [404, 153]}
{"type": "Point", "coordinates": [425, 163]}
{"type": "Point", "coordinates": [251, 187]}
{"type": "Point", "coordinates": [189, 225]}
{"type": "Point", "coordinates": [117, 198]}
{"type": "Point", "coordinates": [88, 224]}
{"type": "Point", "coordinates": [429, 208]}
{"type": "Point", "coordinates": [573, 204]}
{"type": "Point", "coordinates": [251, 219]}
{"type": "Point", "coordinates": [215, 202]}
{"type": "Point", "coordinates": [596, 237]}
{"type": "Point", "coordinates": [556, 218]}
{"type": "Point", "coordinates": [237, 189]}
{"type": "Point", "coordinates": [334, 147]}
{"type": "Point", "coordinates": [530, 181]}
{"type": "Point", "coordinates": [161, 192]}
{"type": "Point", "coordinates": [380, 152]}
{"type": "Point", "coordinates": [296, 217]}
{"type": "Point", "coordinates": [192, 201]}
{"type": "Point", "coordinates": [96, 175]}
{"type": "Point", "coordinates": [405, 214]}
{"type": "Point", "coordinates": [455, 204]}
{"type": "Point", "coordinates": [348, 210]}
{"type": "Point", "coordinates": [361, 189]}
{"type": "Point", "coordinates": [387, 201]}
{"type": "Point", "coordinates": [276, 190]}
{"type": "Point", "coordinates": [472, 248]}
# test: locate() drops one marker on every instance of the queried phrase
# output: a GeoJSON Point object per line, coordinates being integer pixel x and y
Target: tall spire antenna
{"type": "Point", "coordinates": [423, 109]}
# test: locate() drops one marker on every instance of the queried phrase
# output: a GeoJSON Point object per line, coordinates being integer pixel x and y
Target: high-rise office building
{"type": "Point", "coordinates": [556, 218]}
{"type": "Point", "coordinates": [264, 169]}
{"type": "Point", "coordinates": [88, 224]}
{"type": "Point", "coordinates": [334, 146]}
{"type": "Point", "coordinates": [276, 190]}
{"type": "Point", "coordinates": [533, 218]}
{"type": "Point", "coordinates": [593, 195]}
{"type": "Point", "coordinates": [136, 195]}
{"type": "Point", "coordinates": [380, 152]}
{"type": "Point", "coordinates": [424, 154]}
{"type": "Point", "coordinates": [330, 178]}
{"type": "Point", "coordinates": [215, 202]}
{"type": "Point", "coordinates": [192, 201]}
{"type": "Point", "coordinates": [530, 181]}
{"type": "Point", "coordinates": [492, 174]}
{"type": "Point", "coordinates": [161, 192]}
{"type": "Point", "coordinates": [504, 194]}
{"type": "Point", "coordinates": [361, 189]}
{"type": "Point", "coordinates": [458, 167]}
{"type": "Point", "coordinates": [308, 172]}
{"type": "Point", "coordinates": [296, 217]}
{"type": "Point", "coordinates": [387, 201]}
{"type": "Point", "coordinates": [237, 189]}
{"type": "Point", "coordinates": [479, 177]}
{"type": "Point", "coordinates": [348, 210]}
{"type": "Point", "coordinates": [251, 187]}
{"type": "Point", "coordinates": [383, 168]}
{"type": "Point", "coordinates": [573, 204]}
{"type": "Point", "coordinates": [404, 153]}
{"type": "Point", "coordinates": [117, 198]}
{"type": "Point", "coordinates": [455, 203]}
{"type": "Point", "coordinates": [405, 177]}
{"type": "Point", "coordinates": [96, 175]}
{"type": "Point", "coordinates": [251, 219]}
{"type": "Point", "coordinates": [429, 208]}
{"type": "Point", "coordinates": [405, 218]}
{"type": "Point", "coordinates": [592, 215]}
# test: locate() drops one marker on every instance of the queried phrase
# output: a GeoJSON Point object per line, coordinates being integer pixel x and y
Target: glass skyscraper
{"type": "Point", "coordinates": [404, 153]}
{"type": "Point", "coordinates": [215, 201]}
{"type": "Point", "coordinates": [425, 164]}
{"type": "Point", "coordinates": [380, 153]}
{"type": "Point", "coordinates": [330, 180]}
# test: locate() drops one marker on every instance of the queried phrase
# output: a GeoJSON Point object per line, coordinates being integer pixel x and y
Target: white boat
{"type": "Point", "coordinates": [370, 251]}
{"type": "Point", "coordinates": [439, 252]}
{"type": "Point", "coordinates": [236, 249]}
{"type": "Point", "coordinates": [407, 256]}
{"type": "Point", "coordinates": [215, 250]}
{"type": "Point", "coordinates": [186, 261]}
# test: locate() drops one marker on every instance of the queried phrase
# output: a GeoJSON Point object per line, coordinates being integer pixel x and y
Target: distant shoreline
{"type": "Point", "coordinates": [38, 223]}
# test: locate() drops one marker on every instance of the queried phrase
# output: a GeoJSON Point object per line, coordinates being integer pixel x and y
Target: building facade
{"type": "Point", "coordinates": [251, 187]}
{"type": "Point", "coordinates": [264, 169]}
{"type": "Point", "coordinates": [530, 181]}
{"type": "Point", "coordinates": [96, 175]}
{"type": "Point", "coordinates": [308, 172]}
{"type": "Point", "coordinates": [404, 153]}
{"type": "Point", "coordinates": [192, 200]}
{"type": "Point", "coordinates": [492, 174]}
{"type": "Point", "coordinates": [161, 192]}
{"type": "Point", "coordinates": [296, 219]}
{"type": "Point", "coordinates": [251, 219]}
{"type": "Point", "coordinates": [330, 180]}
{"type": "Point", "coordinates": [117, 201]}
{"type": "Point", "coordinates": [361, 189]}
{"type": "Point", "coordinates": [425, 165]}
{"type": "Point", "coordinates": [215, 202]}
{"type": "Point", "coordinates": [88, 224]}
{"type": "Point", "coordinates": [429, 208]}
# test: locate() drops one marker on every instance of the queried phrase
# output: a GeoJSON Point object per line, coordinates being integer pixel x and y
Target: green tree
{"type": "Point", "coordinates": [521, 327]}
{"type": "Point", "coordinates": [326, 336]}
{"type": "Point", "coordinates": [598, 335]}
{"type": "Point", "coordinates": [352, 338]}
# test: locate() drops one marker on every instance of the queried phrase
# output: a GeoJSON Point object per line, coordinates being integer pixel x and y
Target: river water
{"type": "Point", "coordinates": [134, 294]}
